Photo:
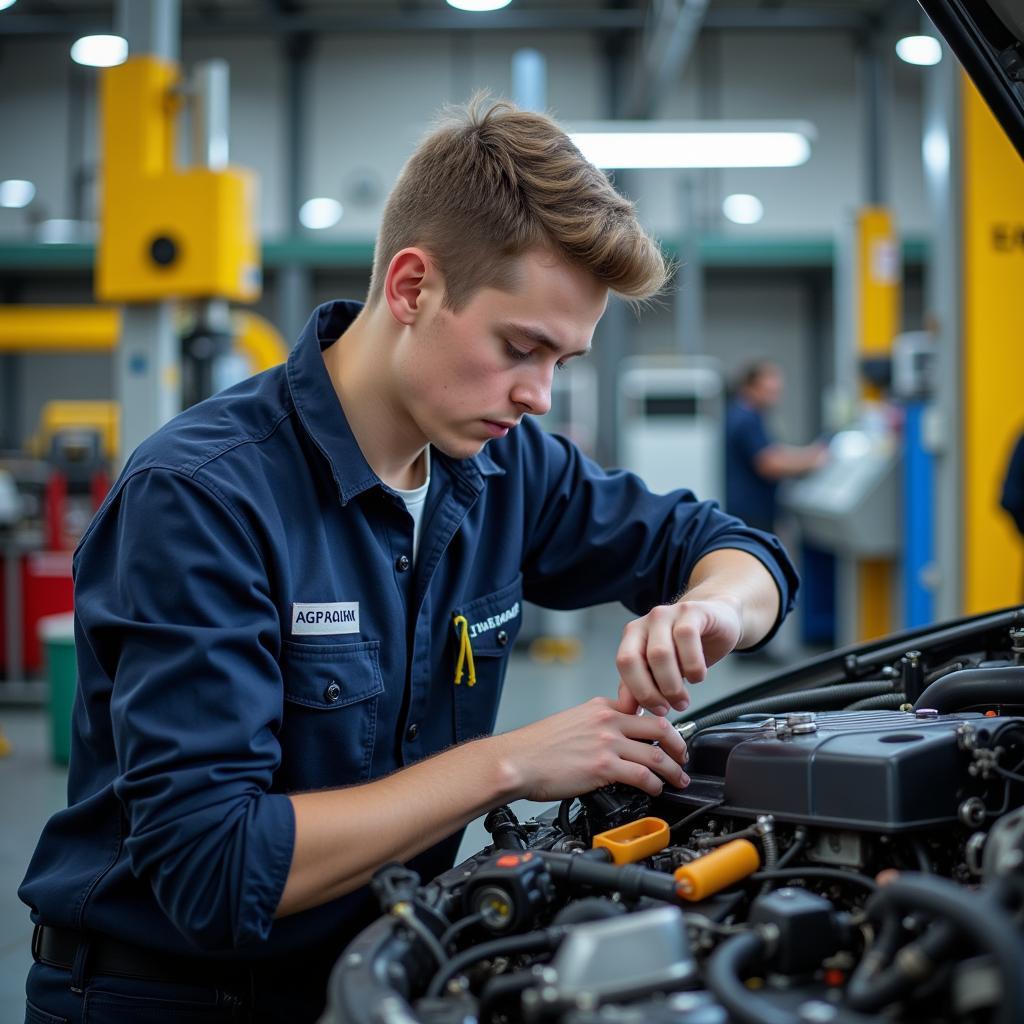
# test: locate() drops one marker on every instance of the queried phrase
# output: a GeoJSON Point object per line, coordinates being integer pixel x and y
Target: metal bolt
{"type": "Point", "coordinates": [972, 812]}
{"type": "Point", "coordinates": [800, 717]}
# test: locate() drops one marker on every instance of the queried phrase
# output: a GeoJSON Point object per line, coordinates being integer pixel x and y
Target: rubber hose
{"type": "Point", "coordinates": [800, 700]}
{"type": "Point", "coordinates": [590, 908]}
{"type": "Point", "coordinates": [501, 988]}
{"type": "Point", "coordinates": [972, 686]}
{"type": "Point", "coordinates": [723, 977]}
{"type": "Point", "coordinates": [531, 942]}
{"type": "Point", "coordinates": [883, 702]}
{"type": "Point", "coordinates": [800, 837]}
{"type": "Point", "coordinates": [982, 920]}
{"type": "Point", "coordinates": [881, 951]}
{"type": "Point", "coordinates": [870, 993]}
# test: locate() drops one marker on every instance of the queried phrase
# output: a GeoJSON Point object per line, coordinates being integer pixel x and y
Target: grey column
{"type": "Point", "coordinates": [148, 358]}
{"type": "Point", "coordinates": [944, 305]}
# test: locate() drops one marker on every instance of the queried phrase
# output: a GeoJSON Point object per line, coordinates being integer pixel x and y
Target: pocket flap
{"type": "Point", "coordinates": [494, 620]}
{"type": "Point", "coordinates": [330, 676]}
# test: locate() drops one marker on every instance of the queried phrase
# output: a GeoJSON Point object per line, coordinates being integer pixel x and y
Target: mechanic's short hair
{"type": "Point", "coordinates": [492, 182]}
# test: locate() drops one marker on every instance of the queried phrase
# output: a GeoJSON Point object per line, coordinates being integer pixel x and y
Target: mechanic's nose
{"type": "Point", "coordinates": [533, 394]}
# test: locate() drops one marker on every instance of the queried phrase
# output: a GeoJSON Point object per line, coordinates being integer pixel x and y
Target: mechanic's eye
{"type": "Point", "coordinates": [516, 353]}
{"type": "Point", "coordinates": [561, 365]}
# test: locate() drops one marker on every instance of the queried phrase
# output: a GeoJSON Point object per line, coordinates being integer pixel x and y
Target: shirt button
{"type": "Point", "coordinates": [332, 693]}
{"type": "Point", "coordinates": [402, 563]}
{"type": "Point", "coordinates": [502, 637]}
{"type": "Point", "coordinates": [412, 732]}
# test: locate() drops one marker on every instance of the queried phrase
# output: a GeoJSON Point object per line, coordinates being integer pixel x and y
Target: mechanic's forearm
{"type": "Point", "coordinates": [741, 580]}
{"type": "Point", "coordinates": [343, 835]}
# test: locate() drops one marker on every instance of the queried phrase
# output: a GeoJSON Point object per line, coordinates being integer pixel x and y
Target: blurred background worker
{"type": "Point", "coordinates": [754, 463]}
{"type": "Point", "coordinates": [1012, 497]}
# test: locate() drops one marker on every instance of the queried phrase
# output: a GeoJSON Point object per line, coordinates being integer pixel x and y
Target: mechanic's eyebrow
{"type": "Point", "coordinates": [540, 338]}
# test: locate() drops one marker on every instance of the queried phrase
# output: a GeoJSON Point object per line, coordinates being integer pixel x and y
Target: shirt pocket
{"type": "Point", "coordinates": [332, 694]}
{"type": "Point", "coordinates": [493, 623]}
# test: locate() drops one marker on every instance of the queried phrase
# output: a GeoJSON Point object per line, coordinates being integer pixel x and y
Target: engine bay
{"type": "Point", "coordinates": [850, 849]}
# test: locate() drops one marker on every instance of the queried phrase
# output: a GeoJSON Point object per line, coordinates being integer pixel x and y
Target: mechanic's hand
{"type": "Point", "coordinates": [671, 645]}
{"type": "Point", "coordinates": [589, 746]}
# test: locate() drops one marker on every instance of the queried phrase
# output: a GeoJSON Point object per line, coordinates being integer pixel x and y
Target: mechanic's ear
{"type": "Point", "coordinates": [409, 274]}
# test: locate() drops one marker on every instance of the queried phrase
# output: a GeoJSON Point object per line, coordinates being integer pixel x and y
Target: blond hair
{"type": "Point", "coordinates": [492, 182]}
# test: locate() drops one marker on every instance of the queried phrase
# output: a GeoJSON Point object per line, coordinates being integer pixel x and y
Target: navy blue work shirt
{"type": "Point", "coordinates": [748, 494]}
{"type": "Point", "coordinates": [249, 624]}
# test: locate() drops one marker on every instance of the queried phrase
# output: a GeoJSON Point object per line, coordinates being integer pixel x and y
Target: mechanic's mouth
{"type": "Point", "coordinates": [498, 428]}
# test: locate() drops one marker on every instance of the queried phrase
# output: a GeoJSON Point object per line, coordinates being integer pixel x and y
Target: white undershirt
{"type": "Point", "coordinates": [416, 501]}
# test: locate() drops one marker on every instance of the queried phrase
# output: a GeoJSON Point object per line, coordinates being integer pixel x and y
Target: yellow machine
{"type": "Point", "coordinates": [167, 232]}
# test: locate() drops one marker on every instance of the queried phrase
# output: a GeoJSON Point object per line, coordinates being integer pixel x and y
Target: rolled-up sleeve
{"type": "Point", "coordinates": [597, 536]}
{"type": "Point", "coordinates": [172, 596]}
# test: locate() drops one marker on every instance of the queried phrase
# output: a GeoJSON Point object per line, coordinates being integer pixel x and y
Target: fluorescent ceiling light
{"type": "Point", "coordinates": [100, 51]}
{"type": "Point", "coordinates": [15, 193]}
{"type": "Point", "coordinates": [4, 4]}
{"type": "Point", "coordinates": [742, 208]}
{"type": "Point", "coordinates": [667, 144]}
{"type": "Point", "coordinates": [320, 213]}
{"type": "Point", "coordinates": [479, 5]}
{"type": "Point", "coordinates": [924, 50]}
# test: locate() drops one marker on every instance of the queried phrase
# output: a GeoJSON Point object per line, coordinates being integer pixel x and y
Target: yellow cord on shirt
{"type": "Point", "coordinates": [465, 652]}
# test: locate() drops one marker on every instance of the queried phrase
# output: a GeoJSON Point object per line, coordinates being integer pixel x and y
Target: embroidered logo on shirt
{"type": "Point", "coordinates": [325, 619]}
{"type": "Point", "coordinates": [494, 621]}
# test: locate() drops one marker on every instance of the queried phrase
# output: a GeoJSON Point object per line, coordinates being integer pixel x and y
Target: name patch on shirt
{"type": "Point", "coordinates": [494, 621]}
{"type": "Point", "coordinates": [325, 619]}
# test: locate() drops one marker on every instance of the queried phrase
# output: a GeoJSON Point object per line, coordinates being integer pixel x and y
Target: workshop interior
{"type": "Point", "coordinates": [840, 188]}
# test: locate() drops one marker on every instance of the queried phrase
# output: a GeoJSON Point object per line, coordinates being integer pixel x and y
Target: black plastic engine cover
{"type": "Point", "coordinates": [879, 771]}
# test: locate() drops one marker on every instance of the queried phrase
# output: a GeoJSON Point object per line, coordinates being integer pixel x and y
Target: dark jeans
{"type": "Point", "coordinates": [111, 1000]}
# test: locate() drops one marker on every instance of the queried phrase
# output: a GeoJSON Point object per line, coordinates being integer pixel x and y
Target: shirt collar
{"type": "Point", "coordinates": [322, 416]}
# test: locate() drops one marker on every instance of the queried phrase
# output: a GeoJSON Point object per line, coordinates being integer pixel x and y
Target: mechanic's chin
{"type": "Point", "coordinates": [473, 441]}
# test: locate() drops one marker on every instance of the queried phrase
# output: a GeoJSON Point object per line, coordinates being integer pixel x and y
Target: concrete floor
{"type": "Point", "coordinates": [32, 787]}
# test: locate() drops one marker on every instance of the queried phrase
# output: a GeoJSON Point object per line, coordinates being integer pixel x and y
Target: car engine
{"type": "Point", "coordinates": [850, 849]}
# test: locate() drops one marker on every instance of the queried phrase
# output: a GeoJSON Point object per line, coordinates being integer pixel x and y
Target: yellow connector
{"type": "Point", "coordinates": [634, 841]}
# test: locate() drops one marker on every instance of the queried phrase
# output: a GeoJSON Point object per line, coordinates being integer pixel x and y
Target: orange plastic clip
{"type": "Point", "coordinates": [717, 870]}
{"type": "Point", "coordinates": [634, 840]}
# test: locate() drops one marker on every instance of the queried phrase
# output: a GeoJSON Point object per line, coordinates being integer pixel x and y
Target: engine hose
{"type": "Point", "coordinates": [500, 989]}
{"type": "Point", "coordinates": [981, 919]}
{"type": "Point", "coordinates": [883, 702]}
{"type": "Point", "coordinates": [800, 837]}
{"type": "Point", "coordinates": [820, 698]}
{"type": "Point", "coordinates": [829, 874]}
{"type": "Point", "coordinates": [723, 976]}
{"type": "Point", "coordinates": [531, 942]}
{"type": "Point", "coordinates": [631, 880]}
{"type": "Point", "coordinates": [769, 849]}
{"type": "Point", "coordinates": [972, 686]}
{"type": "Point", "coordinates": [872, 989]}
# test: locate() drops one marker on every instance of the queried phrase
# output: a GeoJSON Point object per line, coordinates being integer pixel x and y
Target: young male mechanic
{"type": "Point", "coordinates": [272, 604]}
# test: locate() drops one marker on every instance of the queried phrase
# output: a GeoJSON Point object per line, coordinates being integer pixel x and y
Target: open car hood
{"type": "Point", "coordinates": [988, 38]}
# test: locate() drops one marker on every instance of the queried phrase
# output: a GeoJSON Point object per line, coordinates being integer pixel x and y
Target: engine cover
{"type": "Point", "coordinates": [878, 771]}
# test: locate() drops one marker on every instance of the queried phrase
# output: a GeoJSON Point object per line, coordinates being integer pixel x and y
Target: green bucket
{"type": "Point", "coordinates": [57, 633]}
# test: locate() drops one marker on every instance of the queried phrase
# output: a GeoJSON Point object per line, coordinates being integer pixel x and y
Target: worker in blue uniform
{"type": "Point", "coordinates": [294, 611]}
{"type": "Point", "coordinates": [754, 461]}
{"type": "Point", "coordinates": [1011, 496]}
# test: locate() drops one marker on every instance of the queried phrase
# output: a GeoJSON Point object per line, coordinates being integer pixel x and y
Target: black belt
{"type": "Point", "coordinates": [58, 947]}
